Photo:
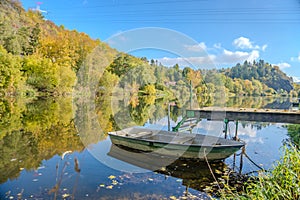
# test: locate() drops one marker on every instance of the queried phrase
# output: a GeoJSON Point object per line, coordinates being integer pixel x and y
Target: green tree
{"type": "Point", "coordinates": [248, 87]}
{"type": "Point", "coordinates": [10, 74]}
{"type": "Point", "coordinates": [41, 73]}
{"type": "Point", "coordinates": [107, 83]}
{"type": "Point", "coordinates": [238, 86]}
{"type": "Point", "coordinates": [257, 87]}
{"type": "Point", "coordinates": [149, 90]}
{"type": "Point", "coordinates": [123, 63]}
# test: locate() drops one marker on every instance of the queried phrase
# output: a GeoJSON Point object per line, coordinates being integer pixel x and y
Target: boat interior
{"type": "Point", "coordinates": [174, 137]}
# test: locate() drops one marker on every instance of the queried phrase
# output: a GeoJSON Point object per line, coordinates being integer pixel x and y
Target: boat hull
{"type": "Point", "coordinates": [202, 152]}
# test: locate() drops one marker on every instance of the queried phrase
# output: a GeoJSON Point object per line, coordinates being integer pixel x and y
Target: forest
{"type": "Point", "coordinates": [36, 56]}
{"type": "Point", "coordinates": [39, 58]}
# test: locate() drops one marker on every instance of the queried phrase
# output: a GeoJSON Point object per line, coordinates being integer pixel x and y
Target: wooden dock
{"type": "Point", "coordinates": [246, 114]}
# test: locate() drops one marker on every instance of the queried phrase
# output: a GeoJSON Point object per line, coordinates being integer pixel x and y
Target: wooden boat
{"type": "Point", "coordinates": [176, 144]}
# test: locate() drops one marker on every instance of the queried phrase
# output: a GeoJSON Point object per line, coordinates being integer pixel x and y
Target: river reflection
{"type": "Point", "coordinates": [194, 173]}
{"type": "Point", "coordinates": [43, 157]}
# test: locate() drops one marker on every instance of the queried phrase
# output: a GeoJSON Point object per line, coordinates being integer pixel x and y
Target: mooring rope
{"type": "Point", "coordinates": [211, 170]}
{"type": "Point", "coordinates": [253, 162]}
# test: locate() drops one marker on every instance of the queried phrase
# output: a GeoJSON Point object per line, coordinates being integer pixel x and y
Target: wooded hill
{"type": "Point", "coordinates": [250, 79]}
{"type": "Point", "coordinates": [270, 75]}
{"type": "Point", "coordinates": [36, 56]}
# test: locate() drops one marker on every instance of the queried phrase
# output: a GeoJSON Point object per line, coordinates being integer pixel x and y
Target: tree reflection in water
{"type": "Point", "coordinates": [32, 131]}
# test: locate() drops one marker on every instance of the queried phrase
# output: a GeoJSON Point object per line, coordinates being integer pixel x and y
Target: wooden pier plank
{"type": "Point", "coordinates": [246, 114]}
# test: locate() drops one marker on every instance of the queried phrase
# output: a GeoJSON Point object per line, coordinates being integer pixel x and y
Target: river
{"type": "Point", "coordinates": [54, 148]}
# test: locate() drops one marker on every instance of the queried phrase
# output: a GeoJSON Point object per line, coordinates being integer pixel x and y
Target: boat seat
{"type": "Point", "coordinates": [182, 140]}
{"type": "Point", "coordinates": [140, 134]}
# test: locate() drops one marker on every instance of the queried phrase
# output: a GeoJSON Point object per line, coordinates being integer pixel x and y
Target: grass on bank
{"type": "Point", "coordinates": [282, 182]}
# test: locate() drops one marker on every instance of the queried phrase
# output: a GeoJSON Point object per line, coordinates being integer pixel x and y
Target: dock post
{"type": "Point", "coordinates": [233, 163]}
{"type": "Point", "coordinates": [191, 94]}
{"type": "Point", "coordinates": [226, 127]}
{"type": "Point", "coordinates": [236, 130]}
{"type": "Point", "coordinates": [241, 159]}
{"type": "Point", "coordinates": [169, 126]}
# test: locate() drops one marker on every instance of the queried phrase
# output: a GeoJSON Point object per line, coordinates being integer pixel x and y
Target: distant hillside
{"type": "Point", "coordinates": [270, 75]}
{"type": "Point", "coordinates": [39, 57]}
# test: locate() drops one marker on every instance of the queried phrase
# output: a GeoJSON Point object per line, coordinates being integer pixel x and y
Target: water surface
{"type": "Point", "coordinates": [50, 151]}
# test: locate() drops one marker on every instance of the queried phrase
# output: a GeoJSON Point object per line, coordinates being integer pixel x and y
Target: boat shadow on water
{"type": "Point", "coordinates": [194, 172]}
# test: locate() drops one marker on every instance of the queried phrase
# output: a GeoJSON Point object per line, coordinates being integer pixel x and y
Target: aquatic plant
{"type": "Point", "coordinates": [282, 182]}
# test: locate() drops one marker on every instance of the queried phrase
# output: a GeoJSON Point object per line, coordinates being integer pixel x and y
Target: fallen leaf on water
{"type": "Point", "coordinates": [54, 189]}
{"type": "Point", "coordinates": [20, 194]}
{"type": "Point", "coordinates": [111, 177]}
{"type": "Point", "coordinates": [102, 185]}
{"type": "Point", "coordinates": [65, 195]}
{"type": "Point", "coordinates": [114, 182]}
{"type": "Point", "coordinates": [173, 197]}
{"type": "Point", "coordinates": [109, 187]}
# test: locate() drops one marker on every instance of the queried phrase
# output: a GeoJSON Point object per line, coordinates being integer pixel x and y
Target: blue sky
{"type": "Point", "coordinates": [228, 31]}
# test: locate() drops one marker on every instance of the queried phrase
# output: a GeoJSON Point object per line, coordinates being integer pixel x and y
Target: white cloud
{"type": "Point", "coordinates": [188, 61]}
{"type": "Point", "coordinates": [216, 56]}
{"type": "Point", "coordinates": [196, 48]}
{"type": "Point", "coordinates": [296, 59]}
{"type": "Point", "coordinates": [248, 131]}
{"type": "Point", "coordinates": [263, 48]}
{"type": "Point", "coordinates": [283, 65]}
{"type": "Point", "coordinates": [296, 79]}
{"type": "Point", "coordinates": [246, 43]}
{"type": "Point", "coordinates": [218, 46]}
{"type": "Point", "coordinates": [253, 55]}
{"type": "Point", "coordinates": [228, 57]}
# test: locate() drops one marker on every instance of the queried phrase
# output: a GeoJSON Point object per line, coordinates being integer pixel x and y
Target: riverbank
{"type": "Point", "coordinates": [281, 182]}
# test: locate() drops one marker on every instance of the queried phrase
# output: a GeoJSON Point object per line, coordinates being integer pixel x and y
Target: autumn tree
{"type": "Point", "coordinates": [10, 75]}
